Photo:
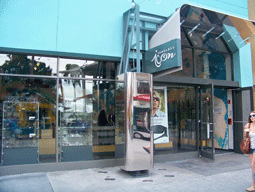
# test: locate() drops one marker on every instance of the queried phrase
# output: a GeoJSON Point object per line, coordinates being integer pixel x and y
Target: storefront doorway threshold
{"type": "Point", "coordinates": [219, 152]}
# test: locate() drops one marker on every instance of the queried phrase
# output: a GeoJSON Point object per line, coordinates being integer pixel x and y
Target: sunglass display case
{"type": "Point", "coordinates": [20, 131]}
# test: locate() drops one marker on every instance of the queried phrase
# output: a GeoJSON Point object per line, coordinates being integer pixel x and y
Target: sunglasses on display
{"type": "Point", "coordinates": [156, 98]}
{"type": "Point", "coordinates": [252, 115]}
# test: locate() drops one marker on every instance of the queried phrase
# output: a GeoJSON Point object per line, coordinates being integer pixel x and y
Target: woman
{"type": "Point", "coordinates": [157, 105]}
{"type": "Point", "coordinates": [250, 128]}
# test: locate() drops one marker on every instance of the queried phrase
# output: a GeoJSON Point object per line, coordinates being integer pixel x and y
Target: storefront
{"type": "Point", "coordinates": [58, 109]}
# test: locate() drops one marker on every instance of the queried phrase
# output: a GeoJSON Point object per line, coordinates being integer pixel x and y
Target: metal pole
{"type": "Point", "coordinates": [56, 129]}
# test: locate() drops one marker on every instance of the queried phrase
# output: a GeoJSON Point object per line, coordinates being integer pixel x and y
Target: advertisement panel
{"type": "Point", "coordinates": [159, 115]}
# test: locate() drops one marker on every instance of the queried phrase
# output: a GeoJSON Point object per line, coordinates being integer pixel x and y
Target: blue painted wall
{"type": "Point", "coordinates": [237, 67]}
{"type": "Point", "coordinates": [28, 24]}
{"type": "Point", "coordinates": [90, 27]}
{"type": "Point", "coordinates": [238, 8]}
{"type": "Point", "coordinates": [246, 66]}
{"type": "Point", "coordinates": [243, 67]}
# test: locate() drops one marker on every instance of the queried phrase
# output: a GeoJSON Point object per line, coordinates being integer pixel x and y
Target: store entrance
{"type": "Point", "coordinates": [206, 121]}
{"type": "Point", "coordinates": [190, 119]}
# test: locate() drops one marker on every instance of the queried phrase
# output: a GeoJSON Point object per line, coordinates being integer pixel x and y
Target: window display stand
{"type": "Point", "coordinates": [20, 132]}
{"type": "Point", "coordinates": [75, 137]}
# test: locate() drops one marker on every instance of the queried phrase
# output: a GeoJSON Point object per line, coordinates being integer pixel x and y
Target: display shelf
{"type": "Point", "coordinates": [104, 135]}
{"type": "Point", "coordinates": [20, 131]}
{"type": "Point", "coordinates": [75, 136]}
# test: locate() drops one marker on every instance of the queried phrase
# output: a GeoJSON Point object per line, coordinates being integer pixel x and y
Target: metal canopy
{"type": "Point", "coordinates": [138, 27]}
{"type": "Point", "coordinates": [235, 31]}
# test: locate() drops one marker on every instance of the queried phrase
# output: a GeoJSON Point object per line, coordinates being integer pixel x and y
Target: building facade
{"type": "Point", "coordinates": [59, 93]}
{"type": "Point", "coordinates": [251, 8]}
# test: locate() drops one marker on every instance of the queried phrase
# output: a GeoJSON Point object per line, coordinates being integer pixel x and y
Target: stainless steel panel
{"type": "Point", "coordinates": [139, 135]}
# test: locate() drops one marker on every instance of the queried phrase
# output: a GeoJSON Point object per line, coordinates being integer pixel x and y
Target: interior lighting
{"type": "Point", "coordinates": [194, 28]}
{"type": "Point", "coordinates": [233, 37]}
{"type": "Point", "coordinates": [245, 39]}
{"type": "Point", "coordinates": [220, 35]}
{"type": "Point", "coordinates": [182, 22]}
{"type": "Point", "coordinates": [208, 31]}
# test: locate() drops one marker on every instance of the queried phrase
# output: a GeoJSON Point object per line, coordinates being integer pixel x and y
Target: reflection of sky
{"type": "Point", "coordinates": [71, 92]}
{"type": "Point", "coordinates": [3, 58]}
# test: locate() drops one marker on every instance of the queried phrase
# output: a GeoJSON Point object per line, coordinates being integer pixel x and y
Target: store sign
{"type": "Point", "coordinates": [164, 54]}
{"type": "Point", "coordinates": [163, 57]}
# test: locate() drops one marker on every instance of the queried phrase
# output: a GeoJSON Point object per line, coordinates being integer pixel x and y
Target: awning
{"type": "Point", "coordinates": [164, 54]}
{"type": "Point", "coordinates": [236, 31]}
{"type": "Point", "coordinates": [164, 57]}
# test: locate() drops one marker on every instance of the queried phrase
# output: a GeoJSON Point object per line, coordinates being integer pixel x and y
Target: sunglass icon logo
{"type": "Point", "coordinates": [162, 56]}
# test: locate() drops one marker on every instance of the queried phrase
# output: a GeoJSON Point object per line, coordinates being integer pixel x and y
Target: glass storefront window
{"type": "Point", "coordinates": [181, 121]}
{"type": "Point", "coordinates": [208, 41]}
{"type": "Point", "coordinates": [28, 120]}
{"type": "Point", "coordinates": [87, 129]}
{"type": "Point", "coordinates": [184, 40]}
{"type": "Point", "coordinates": [187, 64]}
{"type": "Point", "coordinates": [87, 119]}
{"type": "Point", "coordinates": [27, 64]}
{"type": "Point", "coordinates": [75, 119]}
{"type": "Point", "coordinates": [104, 120]}
{"type": "Point", "coordinates": [86, 68]}
{"type": "Point", "coordinates": [212, 65]}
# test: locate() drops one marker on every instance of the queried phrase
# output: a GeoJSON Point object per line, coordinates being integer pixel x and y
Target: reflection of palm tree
{"type": "Point", "coordinates": [72, 70]}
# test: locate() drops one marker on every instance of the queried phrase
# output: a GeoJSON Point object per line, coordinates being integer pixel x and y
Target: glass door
{"type": "Point", "coordinates": [206, 126]}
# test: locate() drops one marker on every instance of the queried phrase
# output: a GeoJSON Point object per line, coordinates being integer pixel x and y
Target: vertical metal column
{"type": "Point", "coordinates": [131, 15]}
{"type": "Point", "coordinates": [56, 129]}
{"type": "Point", "coordinates": [138, 129]}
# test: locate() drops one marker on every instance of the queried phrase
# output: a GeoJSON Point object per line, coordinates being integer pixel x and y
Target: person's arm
{"type": "Point", "coordinates": [247, 127]}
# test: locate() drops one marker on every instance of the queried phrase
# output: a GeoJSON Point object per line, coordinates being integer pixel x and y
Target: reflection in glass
{"type": "Point", "coordinates": [120, 113]}
{"type": "Point", "coordinates": [86, 68]}
{"type": "Point", "coordinates": [75, 95]}
{"type": "Point", "coordinates": [181, 121]}
{"type": "Point", "coordinates": [20, 119]}
{"type": "Point", "coordinates": [29, 112]}
{"type": "Point", "coordinates": [184, 40]}
{"type": "Point", "coordinates": [103, 119]}
{"type": "Point", "coordinates": [87, 119]}
{"type": "Point", "coordinates": [75, 126]}
{"type": "Point", "coordinates": [210, 65]}
{"type": "Point", "coordinates": [187, 64]}
{"type": "Point", "coordinates": [25, 64]}
{"type": "Point", "coordinates": [208, 41]}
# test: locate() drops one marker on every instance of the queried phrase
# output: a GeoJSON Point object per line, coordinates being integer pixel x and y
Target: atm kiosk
{"type": "Point", "coordinates": [138, 144]}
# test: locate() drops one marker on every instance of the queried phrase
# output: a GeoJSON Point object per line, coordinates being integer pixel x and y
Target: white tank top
{"type": "Point", "coordinates": [252, 137]}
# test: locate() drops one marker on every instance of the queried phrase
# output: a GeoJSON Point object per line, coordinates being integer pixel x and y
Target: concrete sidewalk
{"type": "Point", "coordinates": [229, 172]}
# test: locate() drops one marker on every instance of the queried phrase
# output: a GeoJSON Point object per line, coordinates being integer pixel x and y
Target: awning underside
{"type": "Point", "coordinates": [236, 32]}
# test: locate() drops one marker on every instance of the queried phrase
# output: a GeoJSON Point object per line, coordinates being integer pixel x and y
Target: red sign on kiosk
{"type": "Point", "coordinates": [142, 97]}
